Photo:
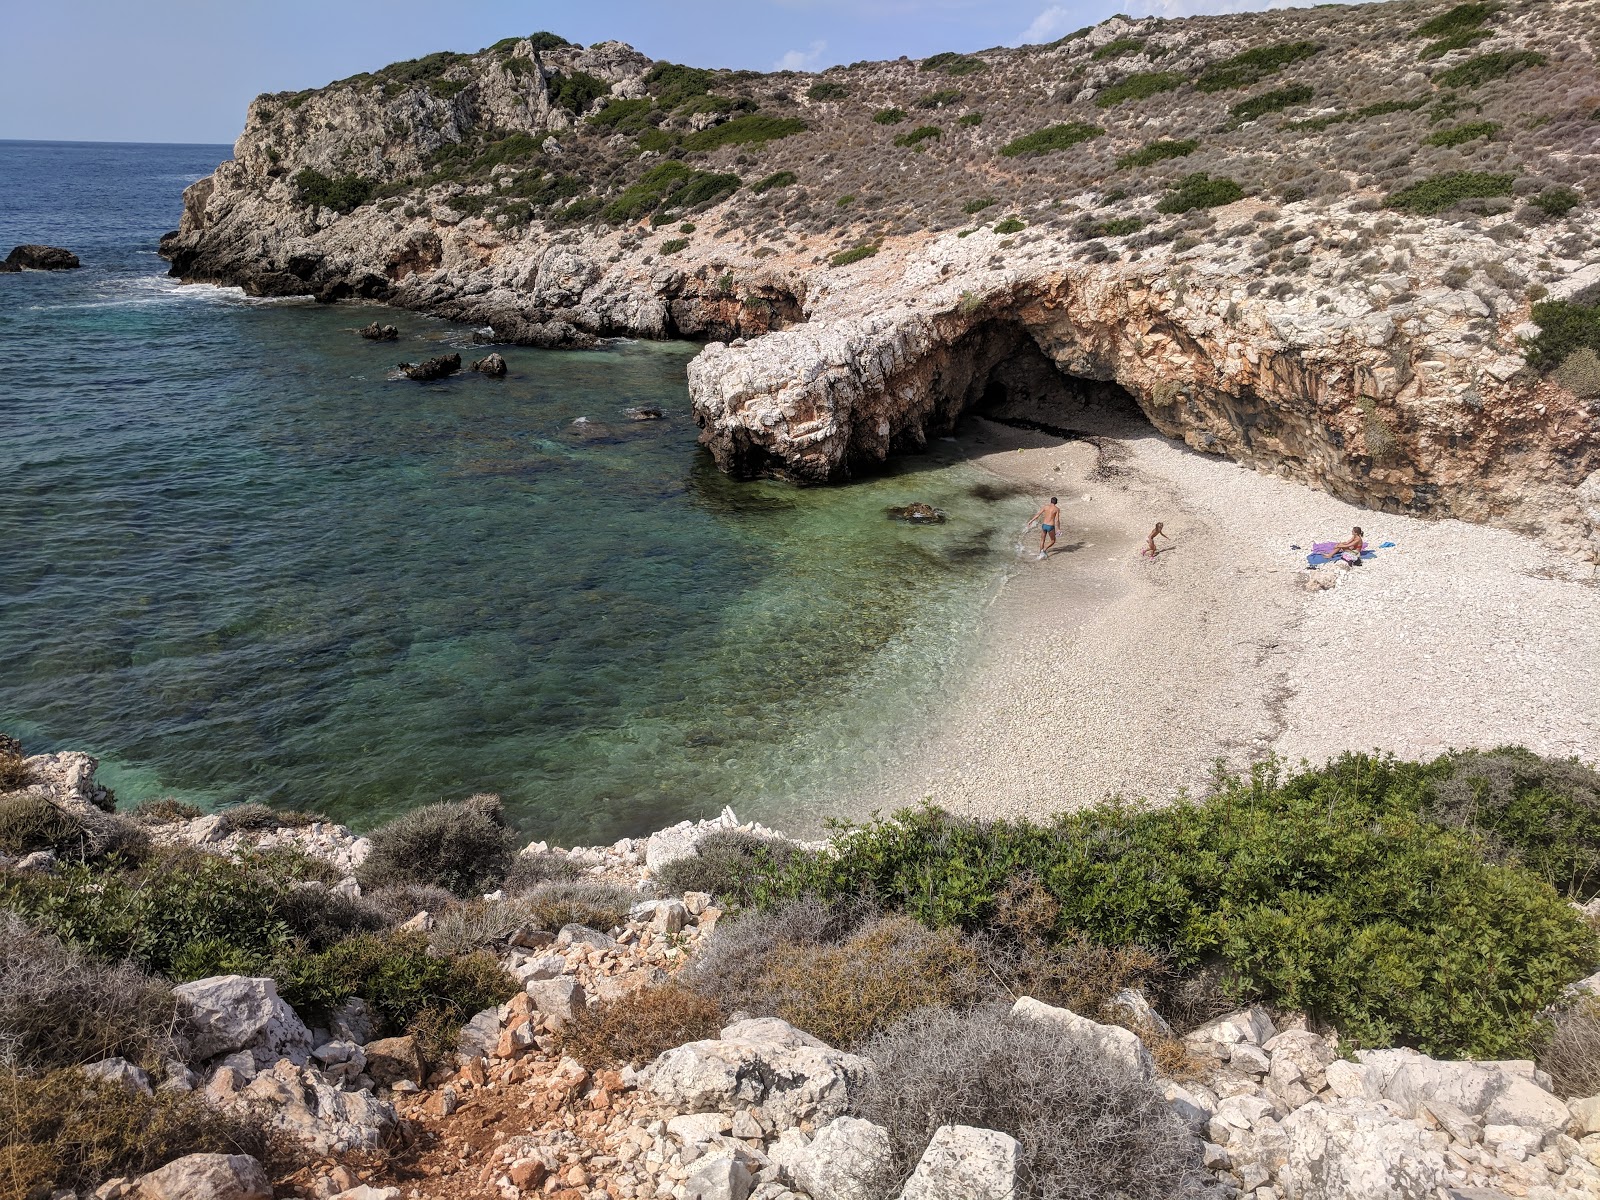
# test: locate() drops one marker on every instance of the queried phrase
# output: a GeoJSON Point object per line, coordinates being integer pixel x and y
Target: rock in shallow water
{"type": "Point", "coordinates": [918, 514]}
{"type": "Point", "coordinates": [40, 258]}
{"type": "Point", "coordinates": [379, 333]}
{"type": "Point", "coordinates": [432, 368]}
{"type": "Point", "coordinates": [493, 366]}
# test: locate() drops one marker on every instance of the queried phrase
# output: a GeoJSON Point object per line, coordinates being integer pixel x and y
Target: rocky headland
{"type": "Point", "coordinates": [1319, 242]}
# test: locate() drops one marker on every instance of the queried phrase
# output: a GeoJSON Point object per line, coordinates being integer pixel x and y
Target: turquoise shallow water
{"type": "Point", "coordinates": [239, 561]}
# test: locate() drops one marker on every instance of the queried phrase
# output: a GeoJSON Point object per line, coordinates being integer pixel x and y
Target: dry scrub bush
{"type": "Point", "coordinates": [464, 847]}
{"type": "Point", "coordinates": [730, 965]}
{"type": "Point", "coordinates": [69, 1130]}
{"type": "Point", "coordinates": [1089, 1128]}
{"type": "Point", "coordinates": [30, 822]}
{"type": "Point", "coordinates": [1579, 373]}
{"type": "Point", "coordinates": [14, 771]}
{"type": "Point", "coordinates": [639, 1026]}
{"type": "Point", "coordinates": [727, 864]}
{"type": "Point", "coordinates": [165, 811]}
{"type": "Point", "coordinates": [400, 902]}
{"type": "Point", "coordinates": [251, 818]}
{"type": "Point", "coordinates": [530, 870]}
{"type": "Point", "coordinates": [891, 967]}
{"type": "Point", "coordinates": [59, 1009]}
{"type": "Point", "coordinates": [598, 905]}
{"type": "Point", "coordinates": [1572, 1054]}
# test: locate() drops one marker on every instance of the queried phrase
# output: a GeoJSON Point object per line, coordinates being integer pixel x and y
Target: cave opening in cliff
{"type": "Point", "coordinates": [1017, 383]}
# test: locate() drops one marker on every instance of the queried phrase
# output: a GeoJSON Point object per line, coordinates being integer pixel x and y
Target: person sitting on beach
{"type": "Point", "coordinates": [1048, 518]}
{"type": "Point", "coordinates": [1350, 549]}
{"type": "Point", "coordinates": [1150, 550]}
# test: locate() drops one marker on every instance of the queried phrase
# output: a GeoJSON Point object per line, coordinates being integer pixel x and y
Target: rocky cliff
{"type": "Point", "coordinates": [1321, 242]}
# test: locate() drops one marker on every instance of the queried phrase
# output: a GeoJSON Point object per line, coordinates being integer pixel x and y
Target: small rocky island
{"type": "Point", "coordinates": [39, 258]}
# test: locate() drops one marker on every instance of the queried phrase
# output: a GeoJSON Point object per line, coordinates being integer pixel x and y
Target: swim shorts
{"type": "Point", "coordinates": [1048, 528]}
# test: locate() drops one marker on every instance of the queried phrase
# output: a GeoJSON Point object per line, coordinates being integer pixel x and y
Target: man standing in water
{"type": "Point", "coordinates": [1048, 518]}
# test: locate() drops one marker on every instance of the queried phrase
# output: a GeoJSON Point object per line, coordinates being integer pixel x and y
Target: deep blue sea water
{"type": "Point", "coordinates": [239, 561]}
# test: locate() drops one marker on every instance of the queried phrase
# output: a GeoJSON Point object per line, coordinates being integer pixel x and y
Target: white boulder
{"type": "Point", "coordinates": [963, 1163]}
{"type": "Point", "coordinates": [206, 1177]}
{"type": "Point", "coordinates": [1349, 1151]}
{"type": "Point", "coordinates": [845, 1161]}
{"type": "Point", "coordinates": [226, 1014]}
{"type": "Point", "coordinates": [1109, 1041]}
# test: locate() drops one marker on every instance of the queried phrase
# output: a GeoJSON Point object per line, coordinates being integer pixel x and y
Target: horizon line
{"type": "Point", "coordinates": [103, 142]}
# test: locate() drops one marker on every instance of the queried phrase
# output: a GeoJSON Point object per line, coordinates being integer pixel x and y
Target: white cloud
{"type": "Point", "coordinates": [802, 60]}
{"type": "Point", "coordinates": [1059, 20]}
{"type": "Point", "coordinates": [1052, 23]}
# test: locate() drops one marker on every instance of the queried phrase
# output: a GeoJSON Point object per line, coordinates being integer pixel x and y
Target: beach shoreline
{"type": "Point", "coordinates": [1100, 672]}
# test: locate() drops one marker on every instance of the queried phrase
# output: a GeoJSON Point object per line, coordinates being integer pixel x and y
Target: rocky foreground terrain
{"type": "Point", "coordinates": [1268, 1106]}
{"type": "Point", "coordinates": [1319, 241]}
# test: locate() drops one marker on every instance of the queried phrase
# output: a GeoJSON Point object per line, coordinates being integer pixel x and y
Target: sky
{"type": "Point", "coordinates": [184, 70]}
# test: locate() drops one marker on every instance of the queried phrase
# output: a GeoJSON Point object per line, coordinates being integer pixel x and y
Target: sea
{"type": "Point", "coordinates": [240, 560]}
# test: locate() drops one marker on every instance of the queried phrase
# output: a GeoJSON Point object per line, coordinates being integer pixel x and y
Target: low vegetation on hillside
{"type": "Point", "coordinates": [1420, 904]}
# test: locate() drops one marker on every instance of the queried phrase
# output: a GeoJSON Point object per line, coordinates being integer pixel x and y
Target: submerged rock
{"type": "Point", "coordinates": [432, 368]}
{"type": "Point", "coordinates": [379, 333]}
{"type": "Point", "coordinates": [918, 514]}
{"type": "Point", "coordinates": [40, 258]}
{"type": "Point", "coordinates": [645, 412]}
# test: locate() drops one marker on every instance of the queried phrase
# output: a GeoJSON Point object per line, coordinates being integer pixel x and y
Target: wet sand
{"type": "Point", "coordinates": [1100, 672]}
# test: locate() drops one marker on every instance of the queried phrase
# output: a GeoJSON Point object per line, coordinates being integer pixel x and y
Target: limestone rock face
{"type": "Point", "coordinates": [1110, 1041]}
{"type": "Point", "coordinates": [845, 1161]}
{"type": "Point", "coordinates": [962, 1163]}
{"type": "Point", "coordinates": [789, 1074]}
{"type": "Point", "coordinates": [206, 1177]}
{"type": "Point", "coordinates": [1348, 1151]}
{"type": "Point", "coordinates": [226, 1014]}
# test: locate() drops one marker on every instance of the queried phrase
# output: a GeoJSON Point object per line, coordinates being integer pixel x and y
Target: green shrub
{"type": "Point", "coordinates": [726, 864]}
{"type": "Point", "coordinates": [952, 63]}
{"type": "Point", "coordinates": [1051, 138]}
{"type": "Point", "coordinates": [778, 179]}
{"type": "Point", "coordinates": [1325, 892]}
{"type": "Point", "coordinates": [1457, 19]}
{"type": "Point", "coordinates": [530, 870]}
{"type": "Point", "coordinates": [1157, 151]}
{"type": "Point", "coordinates": [889, 116]}
{"type": "Point", "coordinates": [1541, 813]}
{"type": "Point", "coordinates": [977, 206]}
{"type": "Point", "coordinates": [971, 118]}
{"type": "Point", "coordinates": [673, 245]}
{"type": "Point", "coordinates": [670, 184]}
{"type": "Point", "coordinates": [672, 83]}
{"type": "Point", "coordinates": [1118, 227]}
{"type": "Point", "coordinates": [940, 99]}
{"type": "Point", "coordinates": [1274, 101]}
{"type": "Point", "coordinates": [343, 194]}
{"type": "Point", "coordinates": [1118, 48]}
{"type": "Point", "coordinates": [576, 92]}
{"type": "Point", "coordinates": [1139, 87]}
{"type": "Point", "coordinates": [827, 91]}
{"type": "Point", "coordinates": [246, 818]}
{"type": "Point", "coordinates": [920, 134]}
{"type": "Point", "coordinates": [1009, 225]}
{"type": "Point", "coordinates": [1462, 133]}
{"type": "Point", "coordinates": [855, 254]}
{"type": "Point", "coordinates": [625, 116]}
{"type": "Point", "coordinates": [1456, 41]}
{"type": "Point", "coordinates": [1200, 190]}
{"type": "Point", "coordinates": [1483, 68]}
{"type": "Point", "coordinates": [1434, 195]}
{"type": "Point", "coordinates": [1557, 201]}
{"type": "Point", "coordinates": [1088, 1127]}
{"type": "Point", "coordinates": [1381, 108]}
{"type": "Point", "coordinates": [545, 40]}
{"type": "Point", "coordinates": [750, 129]}
{"type": "Point", "coordinates": [1565, 327]}
{"type": "Point", "coordinates": [69, 1130]}
{"type": "Point", "coordinates": [1252, 66]}
{"type": "Point", "coordinates": [464, 847]}
{"type": "Point", "coordinates": [59, 1008]}
{"type": "Point", "coordinates": [408, 988]}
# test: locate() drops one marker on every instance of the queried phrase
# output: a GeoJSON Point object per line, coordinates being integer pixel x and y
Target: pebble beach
{"type": "Point", "coordinates": [1100, 672]}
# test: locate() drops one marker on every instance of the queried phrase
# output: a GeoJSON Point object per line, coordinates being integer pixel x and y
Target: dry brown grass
{"type": "Point", "coordinates": [845, 993]}
{"type": "Point", "coordinates": [638, 1027]}
{"type": "Point", "coordinates": [1572, 1054]}
{"type": "Point", "coordinates": [65, 1129]}
{"type": "Point", "coordinates": [14, 772]}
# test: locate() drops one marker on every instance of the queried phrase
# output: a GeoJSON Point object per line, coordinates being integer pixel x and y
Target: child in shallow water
{"type": "Point", "coordinates": [1150, 550]}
